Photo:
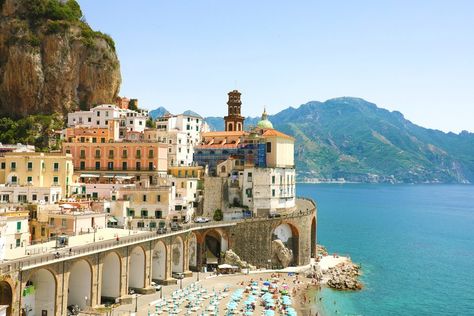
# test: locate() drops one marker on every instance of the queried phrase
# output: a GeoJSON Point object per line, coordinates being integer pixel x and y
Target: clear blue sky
{"type": "Point", "coordinates": [413, 56]}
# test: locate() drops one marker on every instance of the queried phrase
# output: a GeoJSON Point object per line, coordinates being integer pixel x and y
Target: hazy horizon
{"type": "Point", "coordinates": [415, 58]}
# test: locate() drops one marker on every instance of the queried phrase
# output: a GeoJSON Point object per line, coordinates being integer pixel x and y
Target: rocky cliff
{"type": "Point", "coordinates": [51, 60]}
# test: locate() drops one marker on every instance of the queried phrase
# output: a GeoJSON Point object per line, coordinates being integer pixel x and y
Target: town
{"type": "Point", "coordinates": [131, 204]}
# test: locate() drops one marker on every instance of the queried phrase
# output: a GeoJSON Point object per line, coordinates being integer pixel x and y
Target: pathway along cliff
{"type": "Point", "coordinates": [51, 60]}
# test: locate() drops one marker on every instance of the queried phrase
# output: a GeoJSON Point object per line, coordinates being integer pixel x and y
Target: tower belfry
{"type": "Point", "coordinates": [234, 121]}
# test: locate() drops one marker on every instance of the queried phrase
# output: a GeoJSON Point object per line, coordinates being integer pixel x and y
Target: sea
{"type": "Point", "coordinates": [415, 244]}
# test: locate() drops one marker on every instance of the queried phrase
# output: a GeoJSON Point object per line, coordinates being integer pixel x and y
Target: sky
{"type": "Point", "coordinates": [414, 56]}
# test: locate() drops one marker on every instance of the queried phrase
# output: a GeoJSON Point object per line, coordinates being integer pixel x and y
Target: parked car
{"type": "Point", "coordinates": [178, 275]}
{"type": "Point", "coordinates": [201, 220]}
{"type": "Point", "coordinates": [175, 226]}
{"type": "Point", "coordinates": [156, 286]}
{"type": "Point", "coordinates": [161, 230]}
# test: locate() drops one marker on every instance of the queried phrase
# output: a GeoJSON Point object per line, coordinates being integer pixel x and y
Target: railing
{"type": "Point", "coordinates": [66, 253]}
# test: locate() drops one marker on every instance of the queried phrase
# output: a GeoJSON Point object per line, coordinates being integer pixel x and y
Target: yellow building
{"type": "Point", "coordinates": [40, 170]}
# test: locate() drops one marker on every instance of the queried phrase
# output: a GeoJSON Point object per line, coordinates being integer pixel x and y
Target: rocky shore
{"type": "Point", "coordinates": [344, 276]}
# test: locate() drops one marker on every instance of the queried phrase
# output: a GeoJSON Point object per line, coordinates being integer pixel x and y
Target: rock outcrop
{"type": "Point", "coordinates": [281, 254]}
{"type": "Point", "coordinates": [344, 276]}
{"type": "Point", "coordinates": [51, 60]}
{"type": "Point", "coordinates": [230, 257]}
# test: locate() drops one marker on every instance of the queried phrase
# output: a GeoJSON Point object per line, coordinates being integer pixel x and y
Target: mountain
{"type": "Point", "coordinates": [354, 139]}
{"type": "Point", "coordinates": [51, 61]}
{"type": "Point", "coordinates": [157, 112]}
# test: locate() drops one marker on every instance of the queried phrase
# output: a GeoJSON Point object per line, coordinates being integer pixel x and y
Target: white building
{"type": "Point", "coordinates": [15, 234]}
{"type": "Point", "coordinates": [181, 132]}
{"type": "Point", "coordinates": [101, 115]}
{"type": "Point", "coordinates": [30, 194]}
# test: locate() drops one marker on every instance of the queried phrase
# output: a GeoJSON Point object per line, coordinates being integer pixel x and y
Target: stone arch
{"type": "Point", "coordinates": [230, 126]}
{"type": "Point", "coordinates": [177, 255]}
{"type": "Point", "coordinates": [80, 284]}
{"type": "Point", "coordinates": [285, 236]}
{"type": "Point", "coordinates": [239, 127]}
{"type": "Point", "coordinates": [6, 295]}
{"type": "Point", "coordinates": [313, 238]}
{"type": "Point", "coordinates": [192, 251]}
{"type": "Point", "coordinates": [39, 293]}
{"type": "Point", "coordinates": [214, 242]}
{"type": "Point", "coordinates": [137, 268]}
{"type": "Point", "coordinates": [111, 277]}
{"type": "Point", "coordinates": [158, 262]}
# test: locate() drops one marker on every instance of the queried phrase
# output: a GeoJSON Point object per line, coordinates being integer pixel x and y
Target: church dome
{"type": "Point", "coordinates": [265, 123]}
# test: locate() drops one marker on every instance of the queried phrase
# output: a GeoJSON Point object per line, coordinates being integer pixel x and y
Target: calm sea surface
{"type": "Point", "coordinates": [415, 244]}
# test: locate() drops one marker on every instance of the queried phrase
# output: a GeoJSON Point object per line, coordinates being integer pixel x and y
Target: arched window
{"type": "Point", "coordinates": [230, 127]}
{"type": "Point", "coordinates": [223, 169]}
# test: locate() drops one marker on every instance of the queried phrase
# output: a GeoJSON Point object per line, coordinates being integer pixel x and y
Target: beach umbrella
{"type": "Point", "coordinates": [266, 283]}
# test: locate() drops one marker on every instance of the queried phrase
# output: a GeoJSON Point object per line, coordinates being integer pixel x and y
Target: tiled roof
{"type": "Point", "coordinates": [274, 133]}
{"type": "Point", "coordinates": [224, 134]}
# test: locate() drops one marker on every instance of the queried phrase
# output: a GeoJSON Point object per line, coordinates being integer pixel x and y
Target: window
{"type": "Point", "coordinates": [97, 165]}
{"type": "Point", "coordinates": [106, 122]}
{"type": "Point", "coordinates": [150, 153]}
{"type": "Point", "coordinates": [98, 113]}
{"type": "Point", "coordinates": [140, 224]}
{"type": "Point", "coordinates": [95, 195]}
{"type": "Point", "coordinates": [144, 197]}
{"type": "Point", "coordinates": [34, 197]}
{"type": "Point", "coordinates": [124, 165]}
{"type": "Point", "coordinates": [63, 222]}
{"type": "Point", "coordinates": [18, 242]}
{"type": "Point", "coordinates": [56, 166]}
{"type": "Point", "coordinates": [18, 226]}
{"type": "Point", "coordinates": [55, 180]}
{"type": "Point", "coordinates": [124, 153]}
{"type": "Point", "coordinates": [111, 153]}
{"type": "Point", "coordinates": [150, 165]}
{"type": "Point", "coordinates": [13, 165]}
{"type": "Point", "coordinates": [273, 179]}
{"type": "Point", "coordinates": [144, 213]}
{"type": "Point", "coordinates": [139, 153]}
{"type": "Point", "coordinates": [94, 139]}
{"type": "Point", "coordinates": [152, 224]}
{"type": "Point", "coordinates": [29, 179]}
{"type": "Point", "coordinates": [110, 165]}
{"type": "Point", "coordinates": [83, 165]}
{"type": "Point", "coordinates": [130, 212]}
{"type": "Point", "coordinates": [89, 119]}
{"type": "Point", "coordinates": [273, 192]}
{"type": "Point", "coordinates": [30, 166]}
{"type": "Point", "coordinates": [43, 231]}
{"type": "Point", "coordinates": [83, 153]}
{"type": "Point", "coordinates": [14, 179]}
{"type": "Point", "coordinates": [97, 153]}
{"type": "Point", "coordinates": [158, 198]}
{"type": "Point", "coordinates": [102, 139]}
{"type": "Point", "coordinates": [182, 185]}
{"type": "Point", "coordinates": [3, 165]}
{"type": "Point", "coordinates": [269, 147]}
{"type": "Point", "coordinates": [138, 165]}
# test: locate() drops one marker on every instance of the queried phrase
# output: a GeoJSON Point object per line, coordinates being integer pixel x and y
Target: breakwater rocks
{"type": "Point", "coordinates": [344, 276]}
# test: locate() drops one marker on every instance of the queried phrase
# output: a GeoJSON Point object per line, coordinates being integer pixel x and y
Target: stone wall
{"type": "Point", "coordinates": [213, 195]}
{"type": "Point", "coordinates": [252, 239]}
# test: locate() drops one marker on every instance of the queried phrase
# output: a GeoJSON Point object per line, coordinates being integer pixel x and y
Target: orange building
{"type": "Point", "coordinates": [126, 157]}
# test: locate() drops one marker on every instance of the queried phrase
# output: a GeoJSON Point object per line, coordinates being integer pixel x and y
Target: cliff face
{"type": "Point", "coordinates": [51, 62]}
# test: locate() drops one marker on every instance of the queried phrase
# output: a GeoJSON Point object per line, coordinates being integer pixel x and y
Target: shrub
{"type": "Point", "coordinates": [53, 10]}
{"type": "Point", "coordinates": [218, 216]}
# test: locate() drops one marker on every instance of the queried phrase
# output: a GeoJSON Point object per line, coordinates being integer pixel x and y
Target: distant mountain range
{"type": "Point", "coordinates": [353, 139]}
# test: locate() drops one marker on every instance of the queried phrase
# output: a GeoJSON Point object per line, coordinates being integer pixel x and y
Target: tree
{"type": "Point", "coordinates": [150, 123]}
{"type": "Point", "coordinates": [218, 216]}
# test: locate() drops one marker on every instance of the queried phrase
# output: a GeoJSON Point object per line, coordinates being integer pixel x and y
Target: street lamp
{"type": "Point", "coordinates": [136, 303]}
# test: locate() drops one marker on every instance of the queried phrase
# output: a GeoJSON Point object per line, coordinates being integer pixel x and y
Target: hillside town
{"type": "Point", "coordinates": [122, 177]}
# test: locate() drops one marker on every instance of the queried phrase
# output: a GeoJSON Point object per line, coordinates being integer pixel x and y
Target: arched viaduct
{"type": "Point", "coordinates": [102, 272]}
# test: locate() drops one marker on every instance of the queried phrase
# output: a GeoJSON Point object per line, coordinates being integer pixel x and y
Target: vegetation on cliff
{"type": "Point", "coordinates": [37, 130]}
{"type": "Point", "coordinates": [52, 61]}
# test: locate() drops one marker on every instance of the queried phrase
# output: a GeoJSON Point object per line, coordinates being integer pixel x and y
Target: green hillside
{"type": "Point", "coordinates": [353, 139]}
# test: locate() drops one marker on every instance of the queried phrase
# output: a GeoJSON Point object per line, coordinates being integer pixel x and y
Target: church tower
{"type": "Point", "coordinates": [234, 121]}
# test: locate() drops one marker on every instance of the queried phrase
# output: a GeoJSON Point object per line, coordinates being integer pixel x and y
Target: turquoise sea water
{"type": "Point", "coordinates": [415, 244]}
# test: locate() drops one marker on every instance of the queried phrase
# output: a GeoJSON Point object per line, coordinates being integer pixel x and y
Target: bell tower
{"type": "Point", "coordinates": [234, 121]}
